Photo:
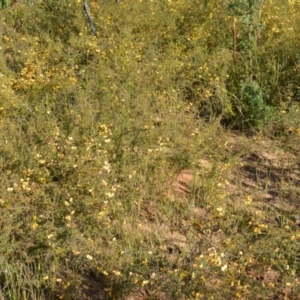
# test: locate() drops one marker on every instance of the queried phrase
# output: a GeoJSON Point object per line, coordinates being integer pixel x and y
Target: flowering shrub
{"type": "Point", "coordinates": [93, 129]}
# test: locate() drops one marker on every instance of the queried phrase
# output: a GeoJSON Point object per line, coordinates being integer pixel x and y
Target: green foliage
{"type": "Point", "coordinates": [4, 3]}
{"type": "Point", "coordinates": [248, 13]}
{"type": "Point", "coordinates": [253, 112]}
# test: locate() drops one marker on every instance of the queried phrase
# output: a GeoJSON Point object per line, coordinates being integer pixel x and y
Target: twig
{"type": "Point", "coordinates": [87, 10]}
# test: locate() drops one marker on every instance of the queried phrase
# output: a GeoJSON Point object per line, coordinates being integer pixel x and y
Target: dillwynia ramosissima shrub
{"type": "Point", "coordinates": [94, 129]}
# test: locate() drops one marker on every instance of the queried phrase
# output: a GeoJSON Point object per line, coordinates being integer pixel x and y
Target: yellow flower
{"type": "Point", "coordinates": [224, 268]}
{"type": "Point", "coordinates": [117, 273]}
{"type": "Point", "coordinates": [145, 282]}
{"type": "Point", "coordinates": [34, 226]}
{"type": "Point", "coordinates": [68, 218]}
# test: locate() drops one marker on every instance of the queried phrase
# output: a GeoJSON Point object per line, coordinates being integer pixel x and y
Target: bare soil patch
{"type": "Point", "coordinates": [266, 171]}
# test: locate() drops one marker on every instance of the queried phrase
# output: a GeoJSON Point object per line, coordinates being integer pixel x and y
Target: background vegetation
{"type": "Point", "coordinates": [94, 129]}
